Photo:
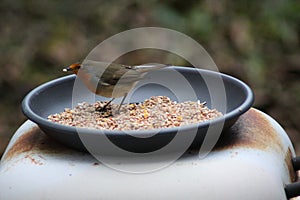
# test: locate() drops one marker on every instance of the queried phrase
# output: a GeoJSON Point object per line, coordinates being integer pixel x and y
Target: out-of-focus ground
{"type": "Point", "coordinates": [256, 41]}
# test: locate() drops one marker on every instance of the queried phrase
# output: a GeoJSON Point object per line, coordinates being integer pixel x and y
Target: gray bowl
{"type": "Point", "coordinates": [52, 97]}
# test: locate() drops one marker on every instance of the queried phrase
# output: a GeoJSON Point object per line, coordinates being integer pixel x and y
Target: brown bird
{"type": "Point", "coordinates": [110, 80]}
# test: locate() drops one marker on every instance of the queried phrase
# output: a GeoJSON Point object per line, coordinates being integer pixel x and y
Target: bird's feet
{"type": "Point", "coordinates": [102, 108]}
{"type": "Point", "coordinates": [105, 110]}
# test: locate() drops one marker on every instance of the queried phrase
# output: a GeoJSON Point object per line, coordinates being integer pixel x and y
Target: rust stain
{"type": "Point", "coordinates": [288, 162]}
{"type": "Point", "coordinates": [36, 142]}
{"type": "Point", "coordinates": [23, 144]}
{"type": "Point", "coordinates": [33, 160]}
{"type": "Point", "coordinates": [252, 130]}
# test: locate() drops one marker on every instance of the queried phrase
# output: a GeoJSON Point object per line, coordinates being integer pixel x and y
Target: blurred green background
{"type": "Point", "coordinates": [256, 41]}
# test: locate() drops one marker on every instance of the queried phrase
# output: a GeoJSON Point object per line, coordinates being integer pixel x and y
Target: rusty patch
{"type": "Point", "coordinates": [47, 145]}
{"type": "Point", "coordinates": [252, 130]}
{"type": "Point", "coordinates": [33, 160]}
{"type": "Point", "coordinates": [288, 162]}
{"type": "Point", "coordinates": [23, 144]}
{"type": "Point", "coordinates": [35, 140]}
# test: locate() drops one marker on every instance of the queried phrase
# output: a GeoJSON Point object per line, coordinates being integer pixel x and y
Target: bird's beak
{"type": "Point", "coordinates": [67, 69]}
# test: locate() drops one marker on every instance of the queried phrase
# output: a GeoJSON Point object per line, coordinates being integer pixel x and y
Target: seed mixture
{"type": "Point", "coordinates": [155, 112]}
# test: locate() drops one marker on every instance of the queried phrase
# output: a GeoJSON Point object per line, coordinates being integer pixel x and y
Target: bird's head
{"type": "Point", "coordinates": [73, 68]}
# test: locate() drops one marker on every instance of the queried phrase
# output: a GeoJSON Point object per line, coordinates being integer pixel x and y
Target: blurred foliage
{"type": "Point", "coordinates": [256, 41]}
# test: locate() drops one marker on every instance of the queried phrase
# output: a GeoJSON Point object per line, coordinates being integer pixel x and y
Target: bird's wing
{"type": "Point", "coordinates": [149, 67]}
{"type": "Point", "coordinates": [121, 74]}
{"type": "Point", "coordinates": [111, 73]}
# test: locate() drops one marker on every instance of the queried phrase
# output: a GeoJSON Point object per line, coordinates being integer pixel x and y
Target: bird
{"type": "Point", "coordinates": [111, 80]}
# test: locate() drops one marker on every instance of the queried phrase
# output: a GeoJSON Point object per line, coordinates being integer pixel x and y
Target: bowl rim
{"type": "Point", "coordinates": [41, 121]}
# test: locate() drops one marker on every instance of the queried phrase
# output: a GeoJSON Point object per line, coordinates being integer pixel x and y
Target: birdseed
{"type": "Point", "coordinates": [155, 112]}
